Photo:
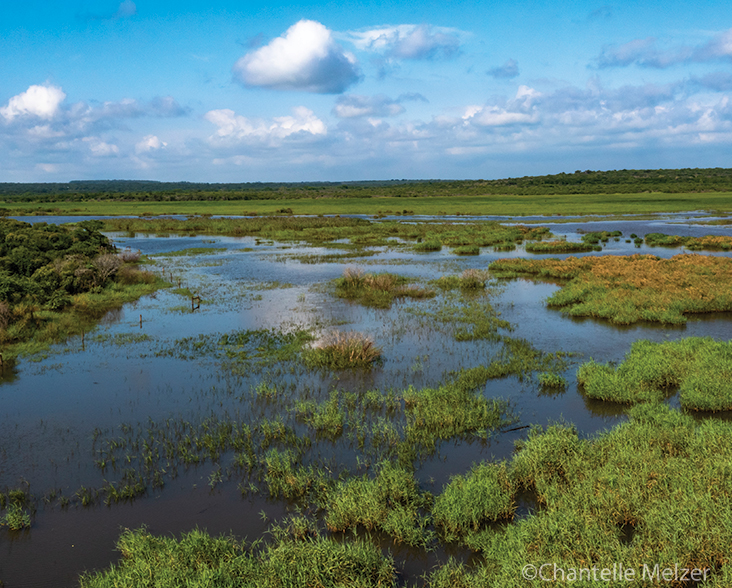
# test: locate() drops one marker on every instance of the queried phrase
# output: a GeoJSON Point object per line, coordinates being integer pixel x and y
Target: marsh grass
{"type": "Point", "coordinates": [700, 368]}
{"type": "Point", "coordinates": [649, 491]}
{"type": "Point", "coordinates": [468, 502]}
{"type": "Point", "coordinates": [339, 231]}
{"type": "Point", "coordinates": [376, 290]}
{"type": "Point", "coordinates": [428, 246]}
{"type": "Point", "coordinates": [706, 243]}
{"type": "Point", "coordinates": [469, 279]}
{"type": "Point", "coordinates": [626, 290]}
{"type": "Point", "coordinates": [455, 410]}
{"type": "Point", "coordinates": [262, 346]}
{"type": "Point", "coordinates": [192, 251]}
{"type": "Point", "coordinates": [15, 518]}
{"type": "Point", "coordinates": [327, 418]}
{"type": "Point", "coordinates": [466, 250]}
{"type": "Point", "coordinates": [560, 246]}
{"type": "Point", "coordinates": [291, 558]}
{"type": "Point", "coordinates": [343, 350]}
{"type": "Point", "coordinates": [552, 380]}
{"type": "Point", "coordinates": [390, 502]}
{"type": "Point", "coordinates": [593, 491]}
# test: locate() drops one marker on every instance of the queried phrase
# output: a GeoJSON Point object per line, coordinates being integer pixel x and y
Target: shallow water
{"type": "Point", "coordinates": [53, 406]}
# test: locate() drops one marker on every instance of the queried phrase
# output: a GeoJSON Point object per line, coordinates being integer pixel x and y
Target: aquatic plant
{"type": "Point", "coordinates": [560, 246]}
{"type": "Point", "coordinates": [15, 517]}
{"type": "Point", "coordinates": [390, 502]}
{"type": "Point", "coordinates": [342, 350]}
{"type": "Point", "coordinates": [700, 368]}
{"type": "Point", "coordinates": [468, 502]}
{"type": "Point", "coordinates": [377, 290]}
{"type": "Point", "coordinates": [634, 288]}
{"type": "Point", "coordinates": [469, 279]}
{"type": "Point", "coordinates": [290, 559]}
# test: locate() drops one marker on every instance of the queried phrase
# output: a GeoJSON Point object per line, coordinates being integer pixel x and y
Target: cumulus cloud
{"type": "Point", "coordinates": [99, 148]}
{"type": "Point", "coordinates": [521, 109]}
{"type": "Point", "coordinates": [409, 41]}
{"type": "Point", "coordinates": [506, 71]}
{"type": "Point", "coordinates": [47, 103]}
{"type": "Point", "coordinates": [236, 128]}
{"type": "Point", "coordinates": [354, 105]}
{"type": "Point", "coordinates": [305, 58]}
{"type": "Point", "coordinates": [149, 143]}
{"type": "Point", "coordinates": [645, 53]}
{"type": "Point", "coordinates": [37, 101]}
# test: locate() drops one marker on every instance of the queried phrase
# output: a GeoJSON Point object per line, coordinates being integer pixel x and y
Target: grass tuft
{"type": "Point", "coordinates": [343, 350]}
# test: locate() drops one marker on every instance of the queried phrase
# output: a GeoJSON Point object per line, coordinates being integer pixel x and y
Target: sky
{"type": "Point", "coordinates": [233, 91]}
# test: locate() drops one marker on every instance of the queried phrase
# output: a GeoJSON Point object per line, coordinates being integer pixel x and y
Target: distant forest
{"type": "Point", "coordinates": [580, 182]}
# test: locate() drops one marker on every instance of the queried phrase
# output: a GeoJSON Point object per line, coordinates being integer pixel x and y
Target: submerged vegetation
{"type": "Point", "coordinates": [377, 290]}
{"type": "Point", "coordinates": [634, 288]}
{"type": "Point", "coordinates": [600, 501]}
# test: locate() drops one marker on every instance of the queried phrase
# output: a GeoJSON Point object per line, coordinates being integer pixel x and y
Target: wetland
{"type": "Point", "coordinates": [337, 401]}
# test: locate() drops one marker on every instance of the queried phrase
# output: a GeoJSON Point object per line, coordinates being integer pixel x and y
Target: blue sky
{"type": "Point", "coordinates": [226, 91]}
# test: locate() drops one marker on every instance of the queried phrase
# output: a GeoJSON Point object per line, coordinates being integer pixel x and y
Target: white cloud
{"type": "Point", "coordinates": [305, 58]}
{"type": "Point", "coordinates": [99, 148]}
{"type": "Point", "coordinates": [150, 143]}
{"type": "Point", "coordinates": [520, 110]}
{"type": "Point", "coordinates": [354, 105]}
{"type": "Point", "coordinates": [645, 53]}
{"type": "Point", "coordinates": [37, 101]}
{"type": "Point", "coordinates": [409, 41]}
{"type": "Point", "coordinates": [506, 71]}
{"type": "Point", "coordinates": [233, 127]}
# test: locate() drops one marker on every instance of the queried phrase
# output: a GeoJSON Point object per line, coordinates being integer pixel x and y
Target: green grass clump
{"type": "Point", "coordinates": [390, 502]}
{"type": "Point", "coordinates": [328, 417]}
{"type": "Point", "coordinates": [15, 517]}
{"type": "Point", "coordinates": [428, 245]}
{"type": "Point", "coordinates": [484, 494]}
{"type": "Point", "coordinates": [701, 368]}
{"type": "Point", "coordinates": [466, 250]}
{"type": "Point", "coordinates": [706, 243]}
{"type": "Point", "coordinates": [551, 380]}
{"type": "Point", "coordinates": [290, 560]}
{"type": "Point", "coordinates": [287, 478]}
{"type": "Point", "coordinates": [646, 492]}
{"type": "Point", "coordinates": [560, 246]}
{"type": "Point", "coordinates": [454, 410]}
{"type": "Point", "coordinates": [629, 289]}
{"type": "Point", "coordinates": [377, 290]}
{"type": "Point", "coordinates": [470, 279]}
{"type": "Point", "coordinates": [597, 237]}
{"type": "Point", "coordinates": [344, 350]}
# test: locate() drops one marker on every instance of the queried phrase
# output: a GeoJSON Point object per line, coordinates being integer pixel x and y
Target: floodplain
{"type": "Point", "coordinates": [374, 402]}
